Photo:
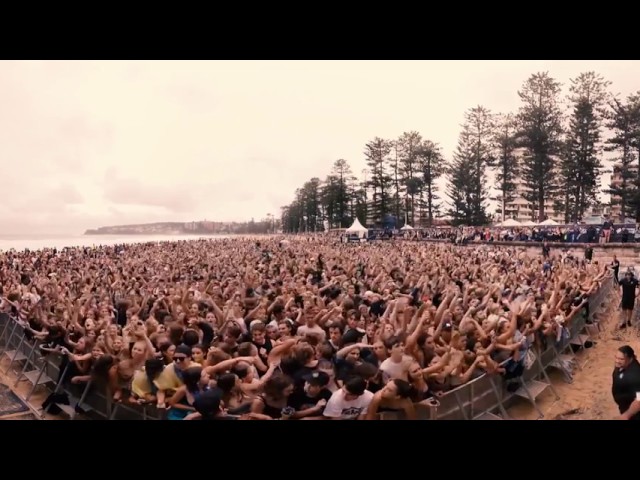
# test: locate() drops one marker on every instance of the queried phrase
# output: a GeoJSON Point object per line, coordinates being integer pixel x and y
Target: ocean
{"type": "Point", "coordinates": [37, 242]}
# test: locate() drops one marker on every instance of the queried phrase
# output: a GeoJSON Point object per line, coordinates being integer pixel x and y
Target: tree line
{"type": "Point", "coordinates": [550, 150]}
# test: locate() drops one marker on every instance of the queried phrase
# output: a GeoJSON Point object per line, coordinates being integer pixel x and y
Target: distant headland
{"type": "Point", "coordinates": [188, 228]}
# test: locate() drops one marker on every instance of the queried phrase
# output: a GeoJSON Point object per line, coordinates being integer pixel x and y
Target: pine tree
{"type": "Point", "coordinates": [623, 122]}
{"type": "Point", "coordinates": [581, 159]}
{"type": "Point", "coordinates": [506, 164]}
{"type": "Point", "coordinates": [540, 120]}
{"type": "Point", "coordinates": [473, 154]}
{"type": "Point", "coordinates": [409, 145]}
{"type": "Point", "coordinates": [432, 167]}
{"type": "Point", "coordinates": [379, 180]}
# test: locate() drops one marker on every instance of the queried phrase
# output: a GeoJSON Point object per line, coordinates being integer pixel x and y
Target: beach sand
{"type": "Point", "coordinates": [22, 390]}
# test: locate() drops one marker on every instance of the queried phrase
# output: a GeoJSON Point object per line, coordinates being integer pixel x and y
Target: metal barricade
{"type": "Point", "coordinates": [94, 398]}
{"type": "Point", "coordinates": [486, 394]}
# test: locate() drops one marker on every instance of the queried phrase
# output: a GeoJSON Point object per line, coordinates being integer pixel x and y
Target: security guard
{"type": "Point", "coordinates": [626, 384]}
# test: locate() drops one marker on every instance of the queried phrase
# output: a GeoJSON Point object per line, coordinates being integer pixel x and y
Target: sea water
{"type": "Point", "coordinates": [37, 242]}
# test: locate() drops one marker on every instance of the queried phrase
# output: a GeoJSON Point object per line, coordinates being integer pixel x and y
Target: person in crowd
{"type": "Point", "coordinates": [629, 289]}
{"type": "Point", "coordinates": [615, 268]}
{"type": "Point", "coordinates": [626, 383]}
{"type": "Point", "coordinates": [309, 404]}
{"type": "Point", "coordinates": [313, 329]}
{"type": "Point", "coordinates": [351, 402]}
{"type": "Point", "coordinates": [394, 397]}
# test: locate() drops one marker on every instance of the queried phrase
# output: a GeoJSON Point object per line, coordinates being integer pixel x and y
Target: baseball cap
{"type": "Point", "coordinates": [183, 349]}
{"type": "Point", "coordinates": [318, 379]}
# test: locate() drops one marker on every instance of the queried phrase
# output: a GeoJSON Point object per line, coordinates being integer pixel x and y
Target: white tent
{"type": "Point", "coordinates": [510, 222]}
{"type": "Point", "coordinates": [528, 223]}
{"type": "Point", "coordinates": [549, 222]}
{"type": "Point", "coordinates": [407, 227]}
{"type": "Point", "coordinates": [357, 228]}
{"type": "Point", "coordinates": [594, 220]}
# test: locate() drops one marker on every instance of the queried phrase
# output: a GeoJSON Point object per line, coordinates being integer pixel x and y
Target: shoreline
{"type": "Point", "coordinates": [37, 243]}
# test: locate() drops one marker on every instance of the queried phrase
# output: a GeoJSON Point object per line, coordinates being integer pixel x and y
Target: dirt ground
{"type": "Point", "coordinates": [589, 396]}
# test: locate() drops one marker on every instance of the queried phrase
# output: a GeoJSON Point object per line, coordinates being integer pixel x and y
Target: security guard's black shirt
{"type": "Point", "coordinates": [626, 387]}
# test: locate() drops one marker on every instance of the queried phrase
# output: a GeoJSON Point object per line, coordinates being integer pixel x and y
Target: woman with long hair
{"type": "Point", "coordinates": [395, 396]}
{"type": "Point", "coordinates": [235, 400]}
{"type": "Point", "coordinates": [272, 403]}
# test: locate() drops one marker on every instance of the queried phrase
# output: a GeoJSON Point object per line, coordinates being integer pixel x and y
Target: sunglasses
{"type": "Point", "coordinates": [179, 359]}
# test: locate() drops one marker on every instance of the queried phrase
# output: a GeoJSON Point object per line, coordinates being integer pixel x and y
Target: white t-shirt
{"type": "Point", "coordinates": [339, 407]}
{"type": "Point", "coordinates": [391, 369]}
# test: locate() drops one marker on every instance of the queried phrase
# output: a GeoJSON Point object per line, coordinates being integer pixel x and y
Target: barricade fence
{"type": "Point", "coordinates": [485, 394]}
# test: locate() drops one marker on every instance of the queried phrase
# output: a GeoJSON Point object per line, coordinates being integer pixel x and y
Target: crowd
{"type": "Point", "coordinates": [565, 234]}
{"type": "Point", "coordinates": [292, 329]}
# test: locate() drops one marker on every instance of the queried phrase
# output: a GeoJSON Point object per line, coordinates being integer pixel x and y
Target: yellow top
{"type": "Point", "coordinates": [168, 380]}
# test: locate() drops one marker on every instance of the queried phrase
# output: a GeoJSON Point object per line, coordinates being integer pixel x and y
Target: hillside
{"type": "Point", "coordinates": [181, 228]}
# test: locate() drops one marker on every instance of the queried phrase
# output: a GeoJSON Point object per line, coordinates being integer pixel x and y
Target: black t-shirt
{"type": "Point", "coordinates": [267, 345]}
{"type": "Point", "coordinates": [616, 266]}
{"type": "Point", "coordinates": [334, 348]}
{"type": "Point", "coordinates": [299, 376]}
{"type": "Point", "coordinates": [368, 356]}
{"type": "Point", "coordinates": [344, 369]}
{"type": "Point", "coordinates": [626, 387]}
{"type": "Point", "coordinates": [357, 300]}
{"type": "Point", "coordinates": [289, 366]}
{"type": "Point", "coordinates": [377, 308]}
{"type": "Point", "coordinates": [374, 386]}
{"type": "Point", "coordinates": [121, 316]}
{"type": "Point", "coordinates": [302, 401]}
{"type": "Point", "coordinates": [628, 289]}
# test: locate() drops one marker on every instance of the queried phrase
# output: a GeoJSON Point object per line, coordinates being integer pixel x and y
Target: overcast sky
{"type": "Point", "coordinates": [89, 144]}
